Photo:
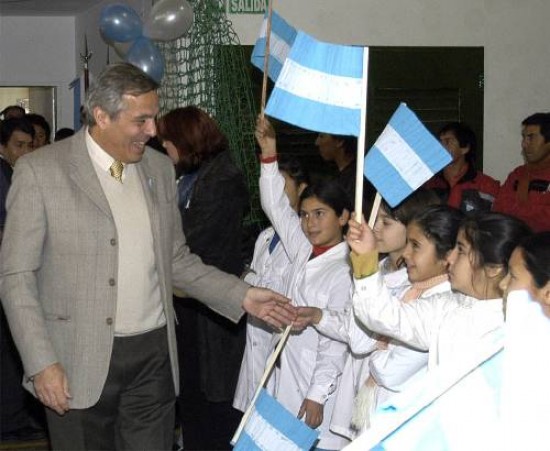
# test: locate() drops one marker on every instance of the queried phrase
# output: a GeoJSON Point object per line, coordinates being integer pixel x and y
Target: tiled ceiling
{"type": "Point", "coordinates": [45, 7]}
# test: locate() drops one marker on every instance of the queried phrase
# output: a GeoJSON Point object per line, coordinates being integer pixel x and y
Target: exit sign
{"type": "Point", "coordinates": [246, 6]}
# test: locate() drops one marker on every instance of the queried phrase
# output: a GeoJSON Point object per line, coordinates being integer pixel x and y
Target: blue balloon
{"type": "Point", "coordinates": [120, 23]}
{"type": "Point", "coordinates": [146, 55]}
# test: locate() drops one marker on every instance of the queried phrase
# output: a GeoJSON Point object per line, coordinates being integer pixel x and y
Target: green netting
{"type": "Point", "coordinates": [207, 68]}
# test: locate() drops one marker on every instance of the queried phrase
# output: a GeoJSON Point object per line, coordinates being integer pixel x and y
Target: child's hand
{"type": "Point", "coordinates": [265, 135]}
{"type": "Point", "coordinates": [307, 316]}
{"type": "Point", "coordinates": [313, 412]}
{"type": "Point", "coordinates": [382, 342]}
{"type": "Point", "coordinates": [360, 237]}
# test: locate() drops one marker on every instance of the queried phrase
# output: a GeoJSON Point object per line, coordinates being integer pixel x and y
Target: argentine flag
{"type": "Point", "coordinates": [320, 87]}
{"type": "Point", "coordinates": [453, 408]}
{"type": "Point", "coordinates": [281, 40]}
{"type": "Point", "coordinates": [273, 428]}
{"type": "Point", "coordinates": [403, 157]}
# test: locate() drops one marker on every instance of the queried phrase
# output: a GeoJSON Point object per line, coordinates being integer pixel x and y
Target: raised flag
{"type": "Point", "coordinates": [281, 40]}
{"type": "Point", "coordinates": [271, 427]}
{"type": "Point", "coordinates": [320, 87]}
{"type": "Point", "coordinates": [404, 157]}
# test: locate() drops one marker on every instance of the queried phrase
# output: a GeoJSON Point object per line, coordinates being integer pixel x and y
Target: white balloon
{"type": "Point", "coordinates": [168, 20]}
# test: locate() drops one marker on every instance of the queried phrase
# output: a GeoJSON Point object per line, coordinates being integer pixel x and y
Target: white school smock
{"type": "Point", "coordinates": [394, 367]}
{"type": "Point", "coordinates": [449, 325]}
{"type": "Point", "coordinates": [268, 270]}
{"type": "Point", "coordinates": [362, 342]}
{"type": "Point", "coordinates": [310, 363]}
{"type": "Point", "coordinates": [391, 368]}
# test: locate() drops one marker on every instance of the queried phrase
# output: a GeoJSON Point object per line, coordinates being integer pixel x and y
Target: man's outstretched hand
{"type": "Point", "coordinates": [271, 307]}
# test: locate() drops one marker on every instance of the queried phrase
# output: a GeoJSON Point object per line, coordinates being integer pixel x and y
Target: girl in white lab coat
{"type": "Point", "coordinates": [310, 363]}
{"type": "Point", "coordinates": [432, 234]}
{"type": "Point", "coordinates": [269, 269]}
{"type": "Point", "coordinates": [449, 326]}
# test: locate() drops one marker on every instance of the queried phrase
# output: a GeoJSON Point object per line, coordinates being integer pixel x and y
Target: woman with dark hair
{"type": "Point", "coordinates": [213, 199]}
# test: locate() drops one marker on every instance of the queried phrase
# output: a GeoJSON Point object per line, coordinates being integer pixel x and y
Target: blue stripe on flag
{"type": "Point", "coordinates": [271, 426]}
{"type": "Point", "coordinates": [319, 87]}
{"type": "Point", "coordinates": [283, 420]}
{"type": "Point", "coordinates": [281, 40]}
{"type": "Point", "coordinates": [333, 59]}
{"type": "Point", "coordinates": [313, 115]}
{"type": "Point", "coordinates": [404, 156]}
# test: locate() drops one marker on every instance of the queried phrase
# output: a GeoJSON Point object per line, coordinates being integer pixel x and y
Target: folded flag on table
{"type": "Point", "coordinates": [271, 427]}
{"type": "Point", "coordinates": [404, 157]}
{"type": "Point", "coordinates": [281, 40]}
{"type": "Point", "coordinates": [319, 87]}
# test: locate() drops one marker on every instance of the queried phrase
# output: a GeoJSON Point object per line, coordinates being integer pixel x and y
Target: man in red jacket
{"type": "Point", "coordinates": [460, 184]}
{"type": "Point", "coordinates": [526, 192]}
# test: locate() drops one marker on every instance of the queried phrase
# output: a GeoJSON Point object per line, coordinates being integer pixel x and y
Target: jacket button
{"type": "Point", "coordinates": [109, 321]}
{"type": "Point", "coordinates": [112, 282]}
{"type": "Point", "coordinates": [113, 241]}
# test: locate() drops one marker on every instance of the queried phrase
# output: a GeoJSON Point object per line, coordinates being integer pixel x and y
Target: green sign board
{"type": "Point", "coordinates": [247, 6]}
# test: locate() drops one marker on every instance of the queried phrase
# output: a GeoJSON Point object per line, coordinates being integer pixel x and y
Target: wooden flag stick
{"type": "Point", "coordinates": [266, 58]}
{"type": "Point", "coordinates": [269, 366]}
{"type": "Point", "coordinates": [362, 139]}
{"type": "Point", "coordinates": [374, 210]}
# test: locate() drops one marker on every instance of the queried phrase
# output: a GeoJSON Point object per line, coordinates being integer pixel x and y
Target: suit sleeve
{"type": "Point", "coordinates": [20, 258]}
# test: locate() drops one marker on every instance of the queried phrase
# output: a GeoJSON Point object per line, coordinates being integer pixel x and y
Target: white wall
{"type": "Point", "coordinates": [515, 35]}
{"type": "Point", "coordinates": [38, 51]}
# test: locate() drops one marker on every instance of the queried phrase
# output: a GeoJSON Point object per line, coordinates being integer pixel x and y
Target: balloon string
{"type": "Point", "coordinates": [266, 58]}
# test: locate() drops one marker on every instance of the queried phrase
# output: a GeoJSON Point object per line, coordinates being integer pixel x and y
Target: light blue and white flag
{"type": "Point", "coordinates": [404, 157]}
{"type": "Point", "coordinates": [451, 408]}
{"type": "Point", "coordinates": [281, 40]}
{"type": "Point", "coordinates": [320, 87]}
{"type": "Point", "coordinates": [273, 428]}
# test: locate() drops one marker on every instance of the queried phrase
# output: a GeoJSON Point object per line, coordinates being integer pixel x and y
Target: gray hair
{"type": "Point", "coordinates": [110, 87]}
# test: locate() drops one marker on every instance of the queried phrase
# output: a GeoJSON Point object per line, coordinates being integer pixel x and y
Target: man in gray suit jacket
{"type": "Point", "coordinates": [92, 247]}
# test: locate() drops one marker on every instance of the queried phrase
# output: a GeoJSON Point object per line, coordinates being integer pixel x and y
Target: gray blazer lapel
{"type": "Point", "coordinates": [83, 174]}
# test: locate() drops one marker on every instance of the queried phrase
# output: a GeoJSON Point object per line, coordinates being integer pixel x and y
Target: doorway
{"type": "Point", "coordinates": [35, 99]}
